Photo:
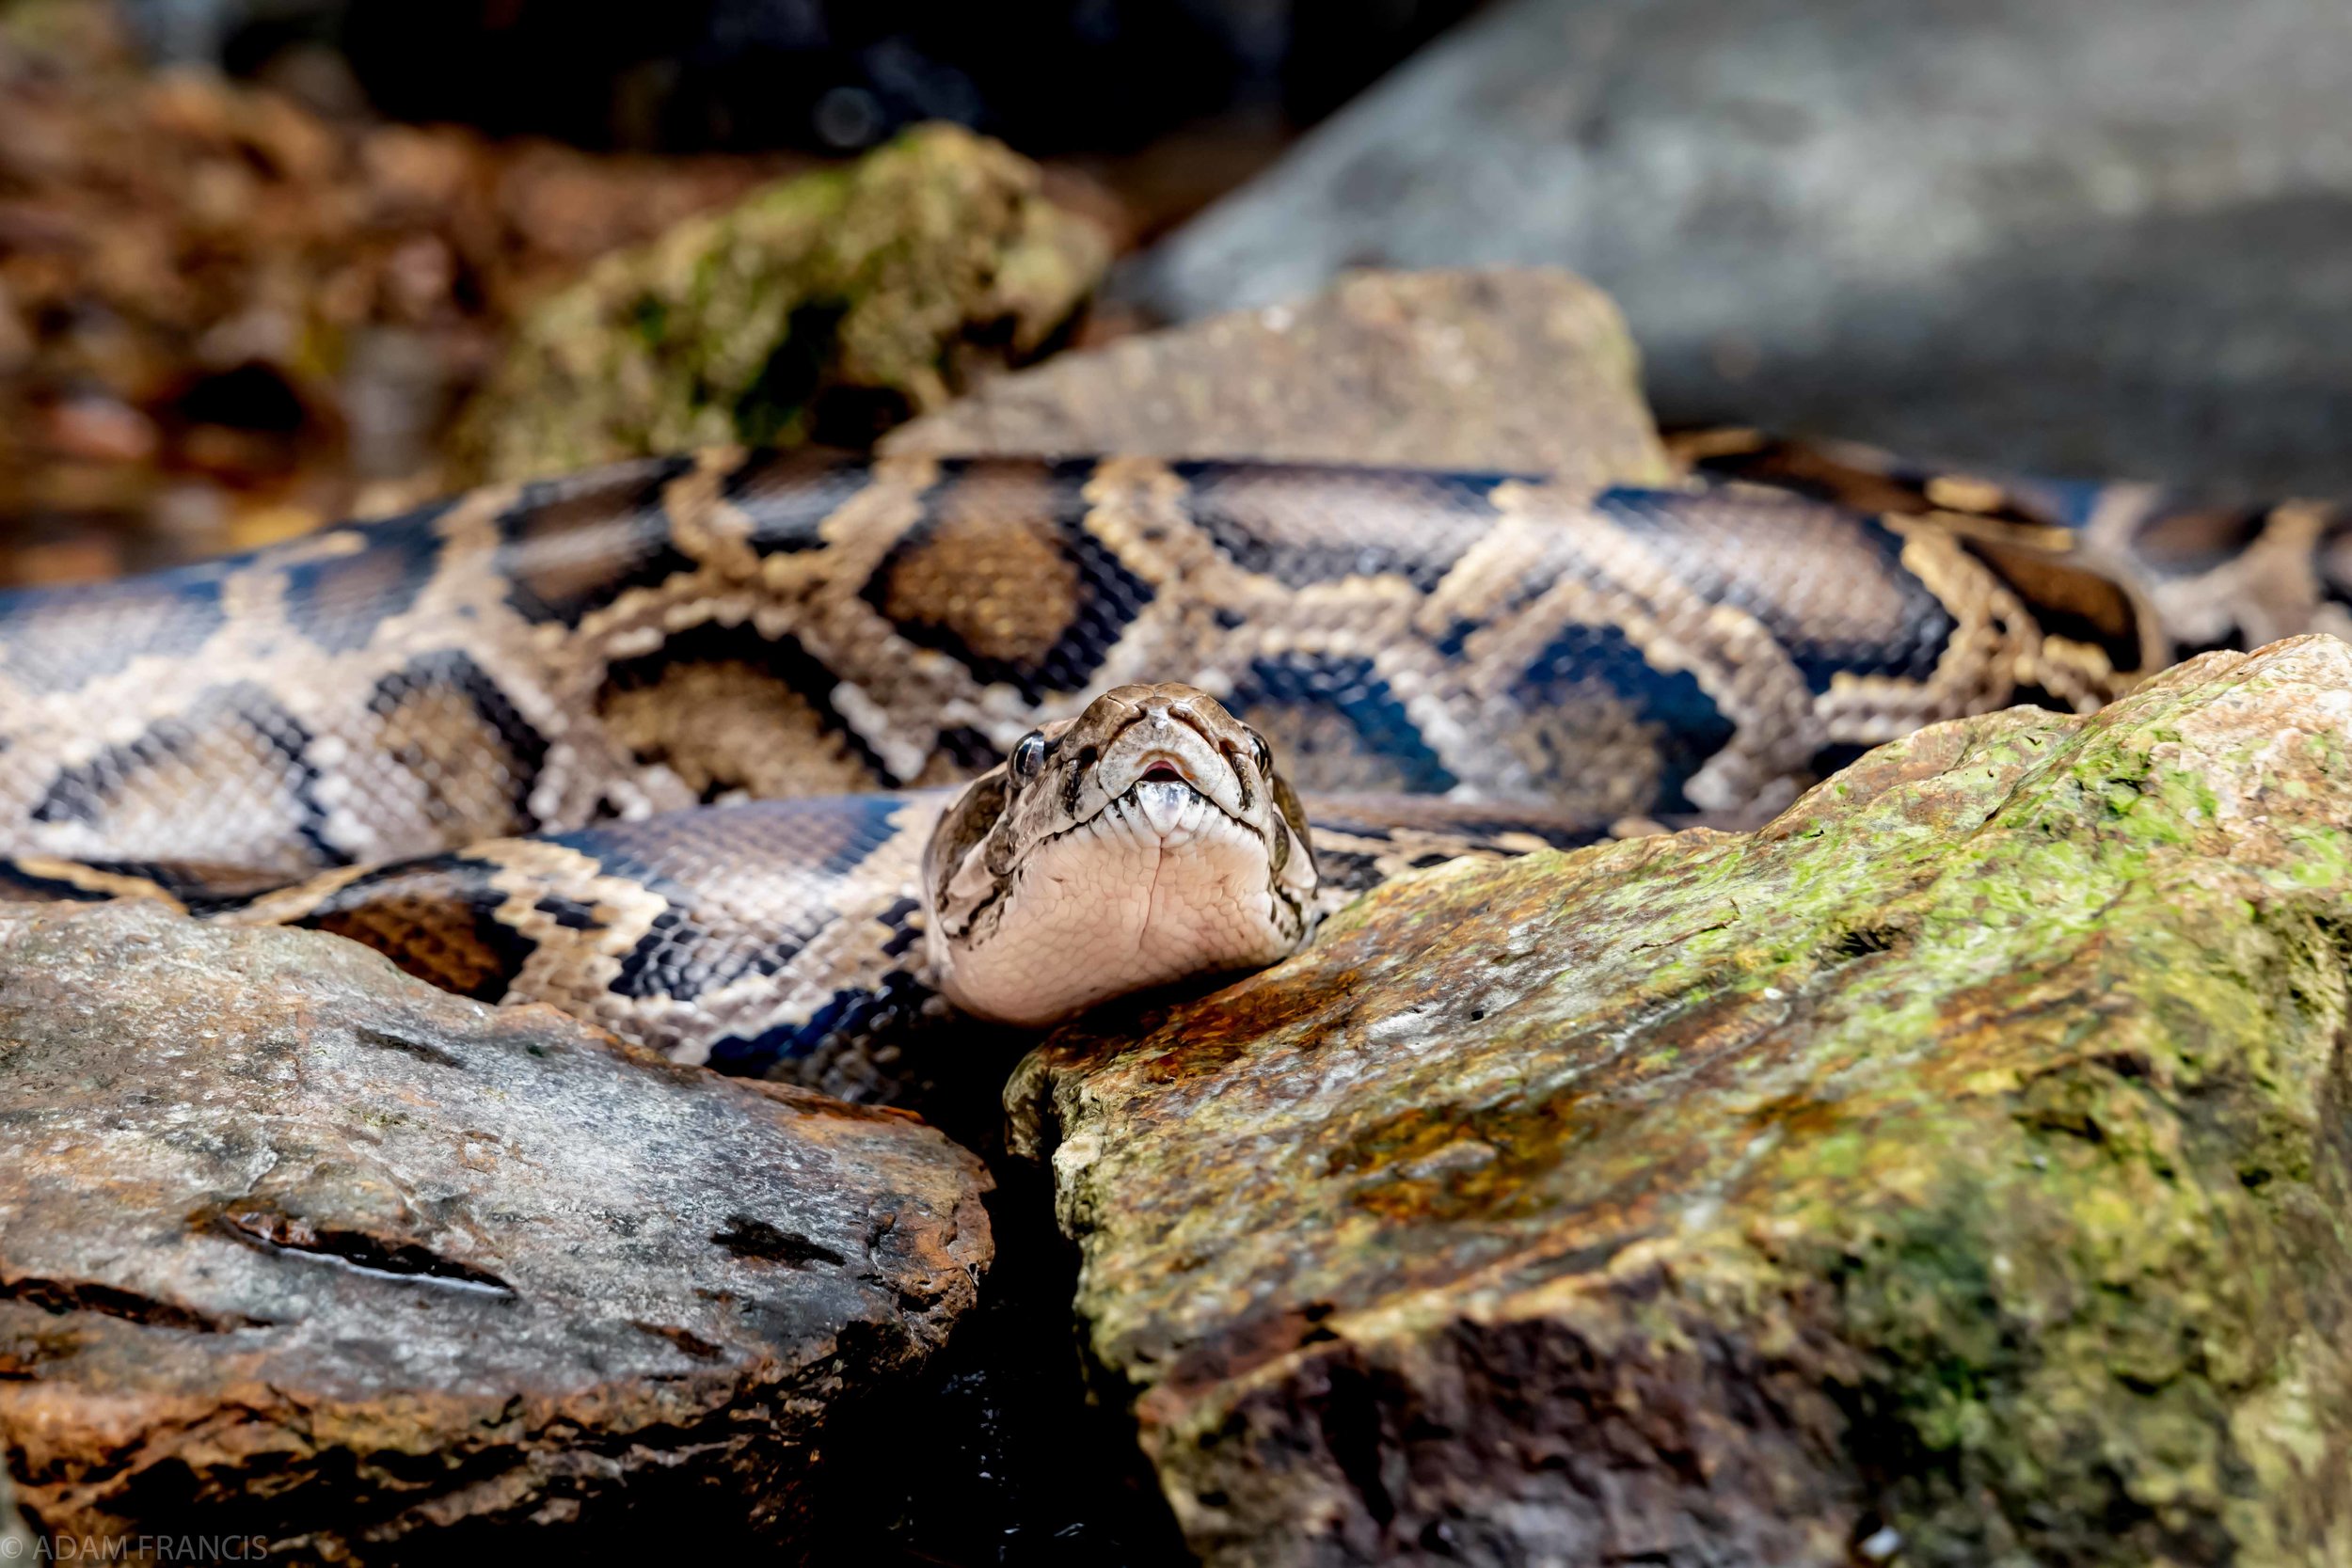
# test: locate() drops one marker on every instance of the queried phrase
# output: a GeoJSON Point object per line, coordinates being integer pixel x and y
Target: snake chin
{"type": "Point", "coordinates": [1147, 841]}
{"type": "Point", "coordinates": [1160, 885]}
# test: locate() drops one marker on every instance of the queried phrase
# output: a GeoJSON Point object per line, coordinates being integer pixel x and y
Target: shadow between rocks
{"type": "Point", "coordinates": [1006, 1454]}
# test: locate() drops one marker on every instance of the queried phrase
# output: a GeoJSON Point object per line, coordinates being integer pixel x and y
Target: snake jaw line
{"type": "Point", "coordinates": [1141, 843]}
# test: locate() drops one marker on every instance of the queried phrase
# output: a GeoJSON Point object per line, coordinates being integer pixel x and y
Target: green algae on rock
{"type": "Point", "coordinates": [1954, 1171]}
{"type": "Point", "coordinates": [846, 299]}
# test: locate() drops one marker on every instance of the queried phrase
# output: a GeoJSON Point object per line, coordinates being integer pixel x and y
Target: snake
{"type": "Point", "coordinates": [786, 766]}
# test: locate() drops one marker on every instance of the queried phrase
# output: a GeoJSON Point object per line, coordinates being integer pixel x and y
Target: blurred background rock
{"type": "Point", "coordinates": [256, 255]}
{"type": "Point", "coordinates": [2101, 238]}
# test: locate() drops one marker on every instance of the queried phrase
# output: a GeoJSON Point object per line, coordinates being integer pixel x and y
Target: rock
{"type": "Point", "coordinates": [292, 1246]}
{"type": "Point", "coordinates": [833, 306]}
{"type": "Point", "coordinates": [1954, 1170]}
{"type": "Point", "coordinates": [16, 1539]}
{"type": "Point", "coordinates": [2074, 238]}
{"type": "Point", "coordinates": [1517, 370]}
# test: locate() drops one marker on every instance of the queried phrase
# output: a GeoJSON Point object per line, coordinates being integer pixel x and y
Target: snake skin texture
{"type": "Point", "coordinates": [474, 734]}
{"type": "Point", "coordinates": [2212, 574]}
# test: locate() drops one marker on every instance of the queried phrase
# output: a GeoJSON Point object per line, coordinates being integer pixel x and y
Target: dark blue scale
{"type": "Point", "coordinates": [1686, 726]}
{"type": "Point", "coordinates": [571, 913]}
{"type": "Point", "coordinates": [2069, 502]}
{"type": "Point", "coordinates": [1452, 505]}
{"type": "Point", "coordinates": [787, 498]}
{"type": "Point", "coordinates": [1352, 691]}
{"type": "Point", "coordinates": [572, 546]}
{"type": "Point", "coordinates": [850, 1015]}
{"type": "Point", "coordinates": [59, 639]}
{"type": "Point", "coordinates": [337, 602]}
{"type": "Point", "coordinates": [674, 959]}
{"type": "Point", "coordinates": [82, 793]}
{"type": "Point", "coordinates": [1927, 626]}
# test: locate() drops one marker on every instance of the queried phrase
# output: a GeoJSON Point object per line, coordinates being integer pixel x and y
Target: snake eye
{"type": "Point", "coordinates": [1028, 756]}
{"type": "Point", "coordinates": [1262, 753]}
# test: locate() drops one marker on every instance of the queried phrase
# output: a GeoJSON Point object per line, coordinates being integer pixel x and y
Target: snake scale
{"type": "Point", "coordinates": [663, 743]}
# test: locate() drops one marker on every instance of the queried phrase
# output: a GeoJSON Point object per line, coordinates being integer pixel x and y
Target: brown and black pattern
{"type": "Point", "coordinates": [2118, 566]}
{"type": "Point", "coordinates": [775, 937]}
{"type": "Point", "coordinates": [473, 696]}
{"type": "Point", "coordinates": [690, 631]}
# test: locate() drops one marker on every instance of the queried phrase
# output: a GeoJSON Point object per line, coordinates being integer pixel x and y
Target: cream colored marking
{"type": "Point", "coordinates": [2267, 590]}
{"type": "Point", "coordinates": [1993, 642]}
{"type": "Point", "coordinates": [290, 905]}
{"type": "Point", "coordinates": [572, 968]}
{"type": "Point", "coordinates": [89, 878]}
{"type": "Point", "coordinates": [703, 524]}
{"type": "Point", "coordinates": [1963, 493]}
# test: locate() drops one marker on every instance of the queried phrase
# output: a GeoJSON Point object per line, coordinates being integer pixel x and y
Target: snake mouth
{"type": "Point", "coordinates": [1157, 767]}
{"type": "Point", "coordinates": [1164, 788]}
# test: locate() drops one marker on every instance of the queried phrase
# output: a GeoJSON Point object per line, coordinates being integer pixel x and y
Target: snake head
{"type": "Point", "coordinates": [1148, 840]}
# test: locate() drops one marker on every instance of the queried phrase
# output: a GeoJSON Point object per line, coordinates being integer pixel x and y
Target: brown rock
{"type": "Point", "coordinates": [292, 1246]}
{"type": "Point", "coordinates": [1510, 369]}
{"type": "Point", "coordinates": [1951, 1172]}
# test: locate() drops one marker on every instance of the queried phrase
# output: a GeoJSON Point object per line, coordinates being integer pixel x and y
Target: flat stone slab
{"type": "Point", "coordinates": [1952, 1172]}
{"type": "Point", "coordinates": [293, 1247]}
{"type": "Point", "coordinates": [1506, 370]}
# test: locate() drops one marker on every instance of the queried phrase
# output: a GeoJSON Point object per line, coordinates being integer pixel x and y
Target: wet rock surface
{"type": "Point", "coordinates": [829, 306]}
{"type": "Point", "coordinates": [2076, 238]}
{"type": "Point", "coordinates": [292, 1246]}
{"type": "Point", "coordinates": [1514, 370]}
{"type": "Point", "coordinates": [1951, 1171]}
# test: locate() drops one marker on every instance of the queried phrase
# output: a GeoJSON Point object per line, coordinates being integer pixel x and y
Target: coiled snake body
{"type": "Point", "coordinates": [663, 743]}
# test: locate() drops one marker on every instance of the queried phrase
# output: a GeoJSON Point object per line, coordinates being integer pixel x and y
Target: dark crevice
{"type": "Point", "coordinates": [62, 1296]}
{"type": "Point", "coordinates": [356, 1249]}
{"type": "Point", "coordinates": [382, 1039]}
{"type": "Point", "coordinates": [776, 403]}
{"type": "Point", "coordinates": [685, 1340]}
{"type": "Point", "coordinates": [1864, 941]}
{"type": "Point", "coordinates": [747, 1237]}
{"type": "Point", "coordinates": [1350, 1418]}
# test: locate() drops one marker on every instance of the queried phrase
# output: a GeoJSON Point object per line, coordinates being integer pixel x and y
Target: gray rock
{"type": "Point", "coordinates": [2105, 237]}
{"type": "Point", "coordinates": [292, 1246]}
{"type": "Point", "coordinates": [1956, 1164]}
{"type": "Point", "coordinates": [1513, 370]}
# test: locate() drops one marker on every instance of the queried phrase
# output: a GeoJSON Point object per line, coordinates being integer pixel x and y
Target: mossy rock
{"type": "Point", "coordinates": [832, 305]}
{"type": "Point", "coordinates": [1953, 1172]}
